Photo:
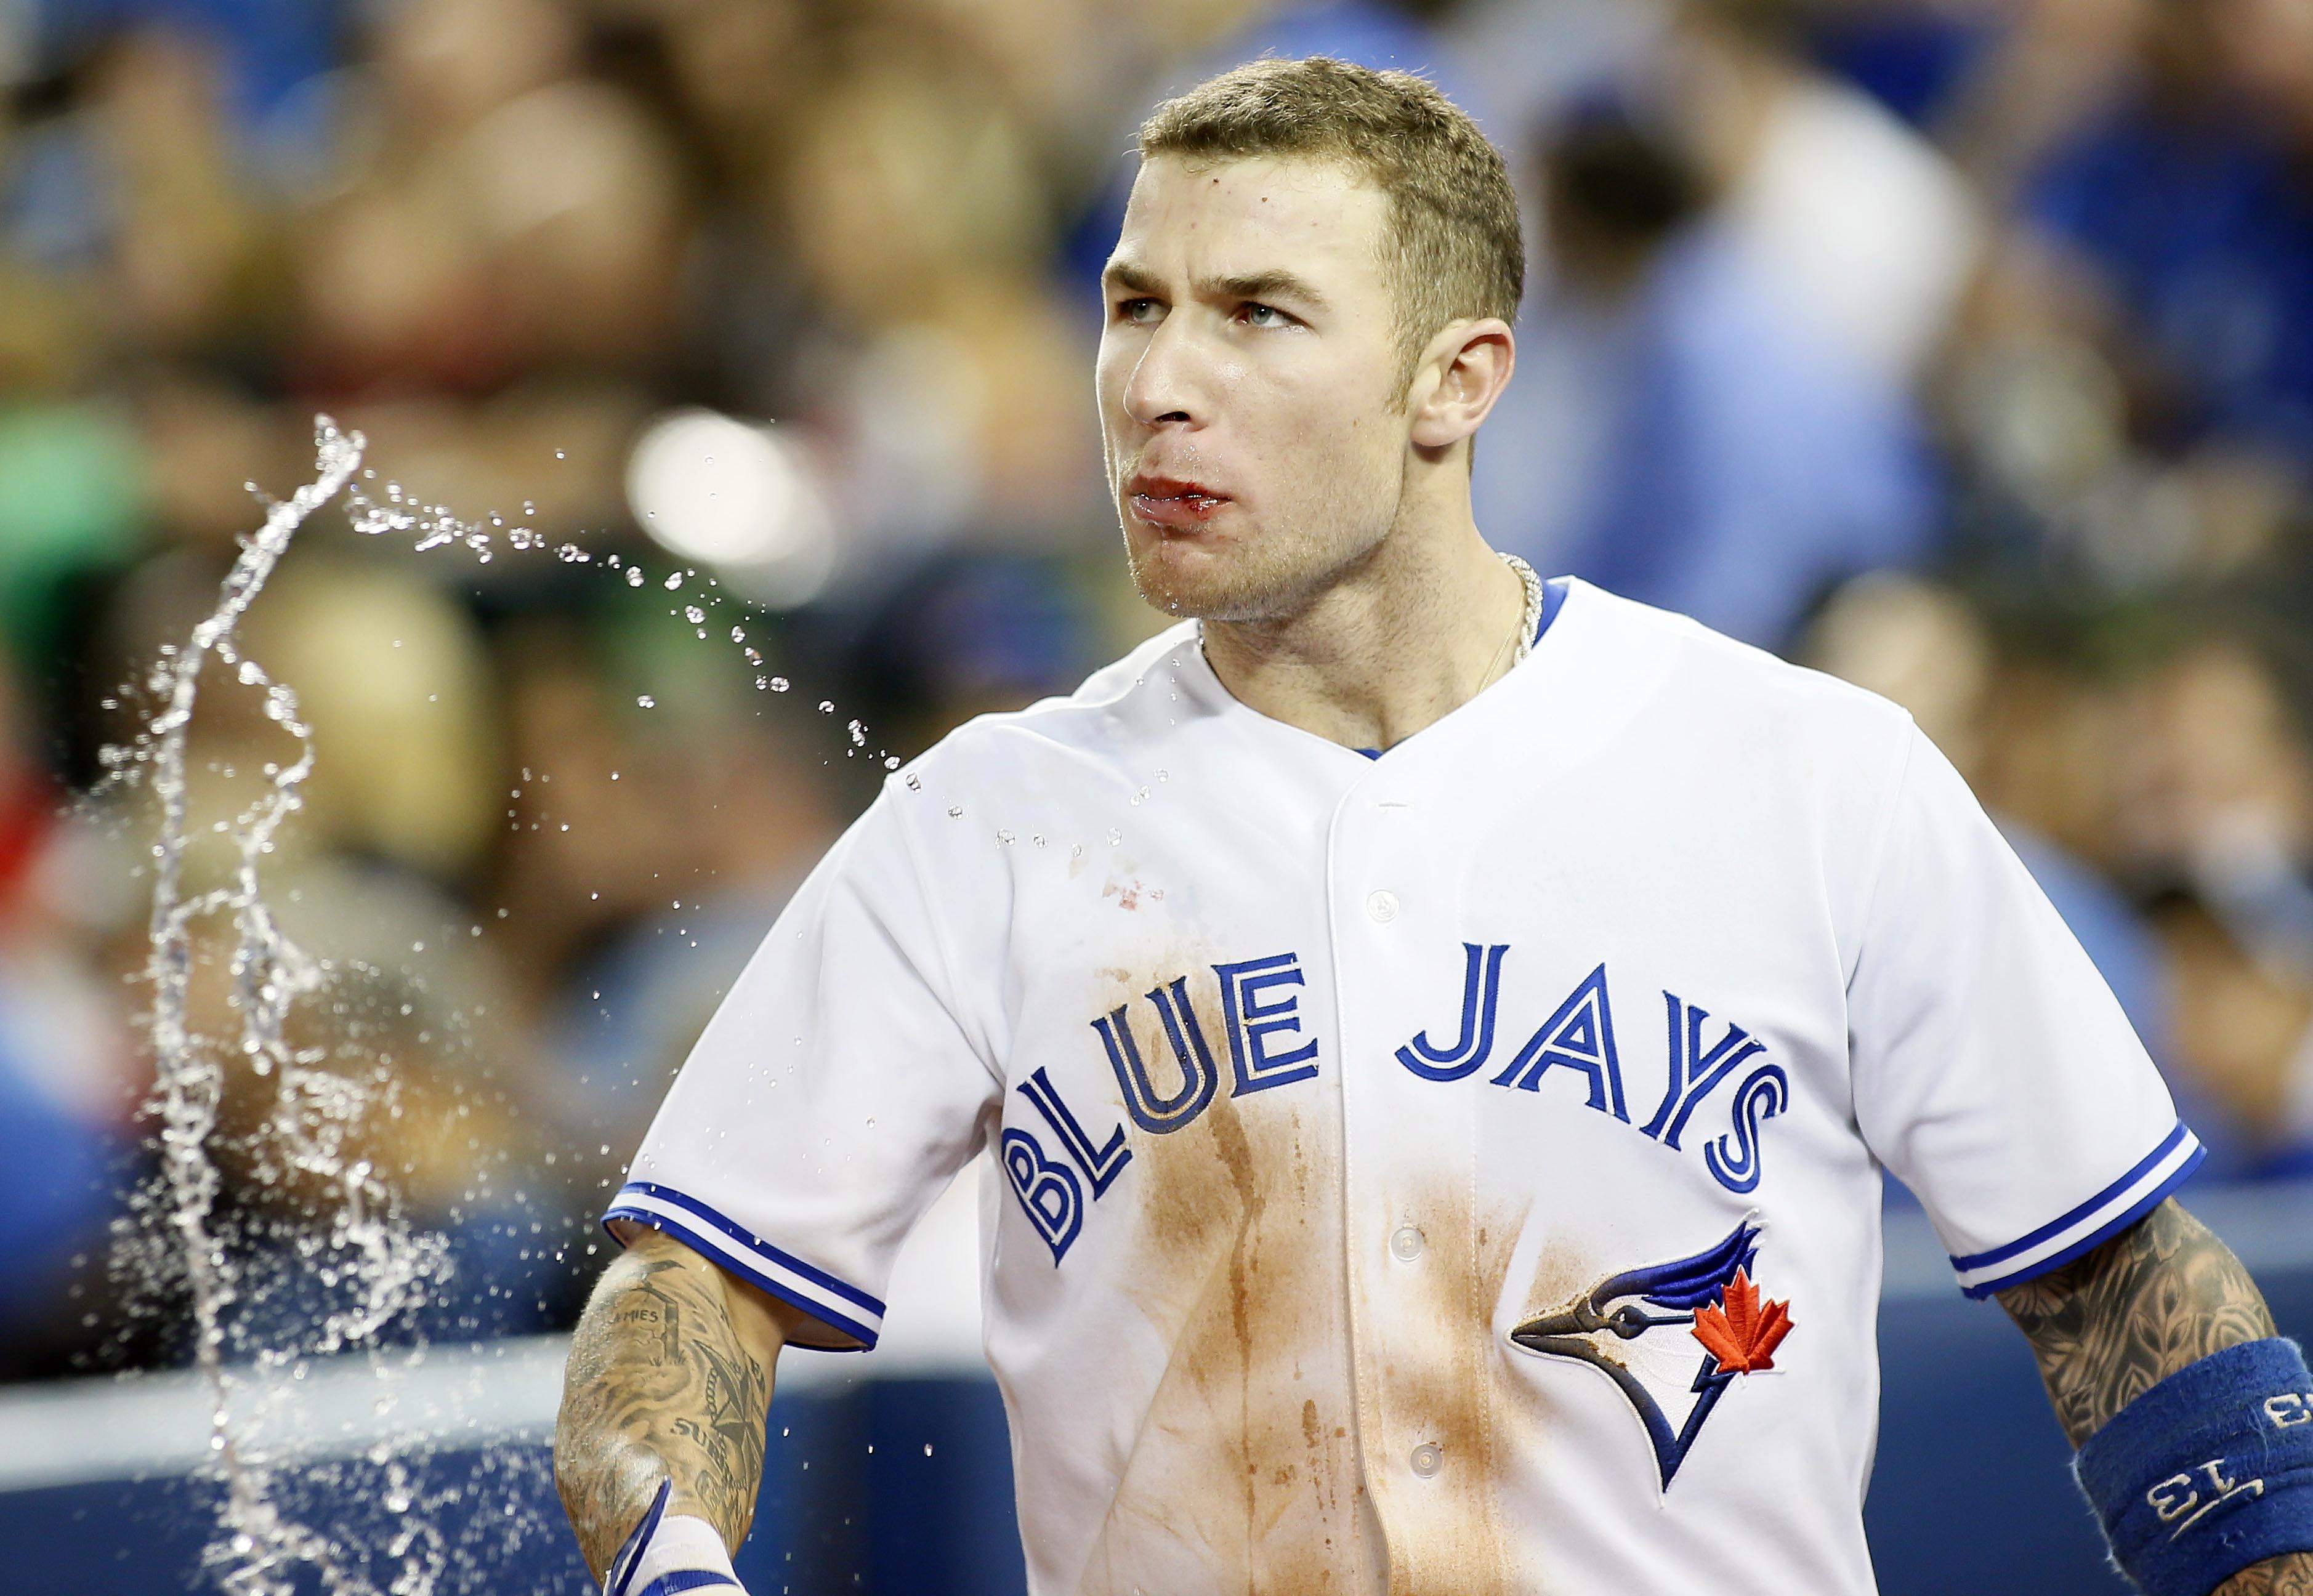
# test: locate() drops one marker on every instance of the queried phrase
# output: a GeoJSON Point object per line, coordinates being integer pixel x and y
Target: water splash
{"type": "Point", "coordinates": [284, 1522]}
{"type": "Point", "coordinates": [385, 1264]}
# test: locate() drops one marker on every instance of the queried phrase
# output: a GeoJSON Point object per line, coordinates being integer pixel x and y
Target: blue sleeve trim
{"type": "Point", "coordinates": [721, 1255]}
{"type": "Point", "coordinates": [2073, 1216]}
{"type": "Point", "coordinates": [754, 1243]}
{"type": "Point", "coordinates": [2095, 1238]}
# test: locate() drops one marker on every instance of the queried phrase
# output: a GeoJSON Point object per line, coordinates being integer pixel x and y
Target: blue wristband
{"type": "Point", "coordinates": [2208, 1472]}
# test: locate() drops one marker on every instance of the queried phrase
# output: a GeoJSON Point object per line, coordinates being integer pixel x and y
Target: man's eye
{"type": "Point", "coordinates": [1136, 310]}
{"type": "Point", "coordinates": [1255, 314]}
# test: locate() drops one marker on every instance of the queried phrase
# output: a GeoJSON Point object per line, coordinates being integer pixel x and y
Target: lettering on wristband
{"type": "Point", "coordinates": [2179, 1495]}
{"type": "Point", "coordinates": [2289, 1408]}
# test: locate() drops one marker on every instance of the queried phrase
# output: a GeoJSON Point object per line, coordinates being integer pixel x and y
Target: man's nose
{"type": "Point", "coordinates": [1166, 385]}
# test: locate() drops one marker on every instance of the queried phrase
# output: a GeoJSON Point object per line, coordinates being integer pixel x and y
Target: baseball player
{"type": "Point", "coordinates": [1438, 1033]}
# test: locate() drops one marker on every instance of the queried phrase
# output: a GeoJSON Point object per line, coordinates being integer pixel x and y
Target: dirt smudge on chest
{"type": "Point", "coordinates": [1441, 1385]}
{"type": "Point", "coordinates": [1244, 1475]}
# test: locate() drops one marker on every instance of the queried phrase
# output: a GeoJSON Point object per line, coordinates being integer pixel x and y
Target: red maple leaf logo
{"type": "Point", "coordinates": [1742, 1334]}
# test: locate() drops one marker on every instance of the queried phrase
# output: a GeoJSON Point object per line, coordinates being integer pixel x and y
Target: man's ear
{"type": "Point", "coordinates": [1461, 373]}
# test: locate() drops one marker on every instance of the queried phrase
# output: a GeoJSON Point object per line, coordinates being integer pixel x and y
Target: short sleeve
{"type": "Point", "coordinates": [831, 1097]}
{"type": "Point", "coordinates": [1994, 1072]}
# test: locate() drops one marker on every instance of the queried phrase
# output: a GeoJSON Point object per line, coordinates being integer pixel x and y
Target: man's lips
{"type": "Point", "coordinates": [1174, 501]}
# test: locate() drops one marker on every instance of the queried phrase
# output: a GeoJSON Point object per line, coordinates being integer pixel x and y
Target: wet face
{"type": "Point", "coordinates": [1248, 383]}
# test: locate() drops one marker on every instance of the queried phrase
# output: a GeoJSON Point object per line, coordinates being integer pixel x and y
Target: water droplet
{"type": "Point", "coordinates": [646, 701]}
{"type": "Point", "coordinates": [560, 455]}
{"type": "Point", "coordinates": [927, 1449]}
{"type": "Point", "coordinates": [915, 782]}
{"type": "Point", "coordinates": [1003, 836]}
{"type": "Point", "coordinates": [693, 614]}
{"type": "Point", "coordinates": [634, 575]}
{"type": "Point", "coordinates": [827, 706]}
{"type": "Point", "coordinates": [1114, 836]}
{"type": "Point", "coordinates": [738, 633]}
{"type": "Point", "coordinates": [891, 761]}
{"type": "Point", "coordinates": [779, 684]}
{"type": "Point", "coordinates": [674, 581]}
{"type": "Point", "coordinates": [955, 811]}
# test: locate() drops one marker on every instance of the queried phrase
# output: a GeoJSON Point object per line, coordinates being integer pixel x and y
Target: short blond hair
{"type": "Point", "coordinates": [1452, 248]}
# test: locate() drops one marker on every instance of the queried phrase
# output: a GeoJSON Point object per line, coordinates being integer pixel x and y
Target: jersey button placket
{"type": "Point", "coordinates": [1427, 1460]}
{"type": "Point", "coordinates": [1381, 907]}
{"type": "Point", "coordinates": [1405, 1243]}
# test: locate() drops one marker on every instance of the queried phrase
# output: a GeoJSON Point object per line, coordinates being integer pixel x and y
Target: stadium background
{"type": "Point", "coordinates": [1963, 347]}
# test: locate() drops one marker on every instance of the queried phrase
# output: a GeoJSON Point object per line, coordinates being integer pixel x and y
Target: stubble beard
{"type": "Point", "coordinates": [1267, 573]}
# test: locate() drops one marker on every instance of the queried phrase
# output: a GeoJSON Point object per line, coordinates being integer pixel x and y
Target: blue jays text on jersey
{"type": "Point", "coordinates": [1266, 1044]}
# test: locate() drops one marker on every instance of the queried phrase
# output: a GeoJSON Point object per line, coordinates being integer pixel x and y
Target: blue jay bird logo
{"type": "Point", "coordinates": [1710, 1295]}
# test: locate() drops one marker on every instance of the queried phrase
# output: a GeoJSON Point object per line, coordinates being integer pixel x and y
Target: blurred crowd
{"type": "Point", "coordinates": [1961, 348]}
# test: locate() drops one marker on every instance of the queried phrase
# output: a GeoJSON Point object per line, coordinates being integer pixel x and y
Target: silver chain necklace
{"type": "Point", "coordinates": [1531, 622]}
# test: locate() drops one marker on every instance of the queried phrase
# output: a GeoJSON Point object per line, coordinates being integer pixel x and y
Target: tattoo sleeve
{"type": "Point", "coordinates": [2110, 1325]}
{"type": "Point", "coordinates": [661, 1384]}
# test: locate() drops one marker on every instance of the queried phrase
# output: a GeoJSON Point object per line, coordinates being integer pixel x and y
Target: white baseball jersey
{"type": "Point", "coordinates": [1450, 1172]}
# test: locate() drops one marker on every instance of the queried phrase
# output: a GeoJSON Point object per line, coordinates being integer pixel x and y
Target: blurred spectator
{"type": "Point", "coordinates": [967, 634]}
{"type": "Point", "coordinates": [2244, 1046]}
{"type": "Point", "coordinates": [764, 808]}
{"type": "Point", "coordinates": [66, 1085]}
{"type": "Point", "coordinates": [1924, 646]}
{"type": "Point", "coordinates": [2190, 204]}
{"type": "Point", "coordinates": [1865, 230]}
{"type": "Point", "coordinates": [1674, 433]}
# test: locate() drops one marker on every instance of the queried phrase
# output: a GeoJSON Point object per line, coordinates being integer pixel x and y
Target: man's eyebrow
{"type": "Point", "coordinates": [1131, 277]}
{"type": "Point", "coordinates": [1274, 283]}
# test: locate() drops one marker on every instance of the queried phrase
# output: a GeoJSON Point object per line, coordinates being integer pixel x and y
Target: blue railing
{"type": "Point", "coordinates": [896, 1475]}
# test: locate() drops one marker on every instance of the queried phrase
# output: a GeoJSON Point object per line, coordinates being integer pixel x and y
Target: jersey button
{"type": "Point", "coordinates": [1427, 1460]}
{"type": "Point", "coordinates": [1382, 906]}
{"type": "Point", "coordinates": [1405, 1244]}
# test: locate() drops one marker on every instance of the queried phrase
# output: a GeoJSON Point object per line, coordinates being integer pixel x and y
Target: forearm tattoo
{"type": "Point", "coordinates": [659, 1386]}
{"type": "Point", "coordinates": [2108, 1326]}
{"type": "Point", "coordinates": [2279, 1576]}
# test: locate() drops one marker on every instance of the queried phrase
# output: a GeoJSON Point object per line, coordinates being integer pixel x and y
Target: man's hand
{"type": "Point", "coordinates": [2114, 1324]}
{"type": "Point", "coordinates": [664, 1400]}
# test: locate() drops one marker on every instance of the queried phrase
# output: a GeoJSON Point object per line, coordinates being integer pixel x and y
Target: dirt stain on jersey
{"type": "Point", "coordinates": [1445, 1534]}
{"type": "Point", "coordinates": [1244, 1475]}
